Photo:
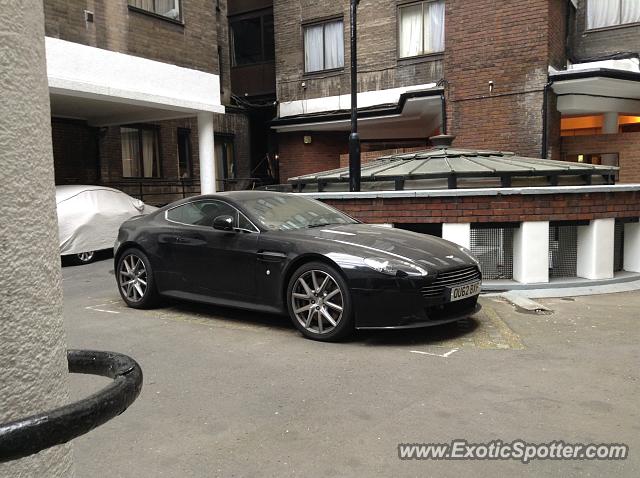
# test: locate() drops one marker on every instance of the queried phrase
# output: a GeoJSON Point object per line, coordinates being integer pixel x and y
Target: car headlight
{"type": "Point", "coordinates": [468, 253]}
{"type": "Point", "coordinates": [395, 267]}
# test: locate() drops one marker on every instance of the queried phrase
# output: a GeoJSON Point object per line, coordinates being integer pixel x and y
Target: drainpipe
{"type": "Point", "coordinates": [545, 122]}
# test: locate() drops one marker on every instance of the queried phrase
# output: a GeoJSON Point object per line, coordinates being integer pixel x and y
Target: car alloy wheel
{"type": "Point", "coordinates": [86, 257]}
{"type": "Point", "coordinates": [132, 277]}
{"type": "Point", "coordinates": [317, 302]}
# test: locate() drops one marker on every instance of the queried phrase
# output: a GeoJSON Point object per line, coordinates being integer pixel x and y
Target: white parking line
{"type": "Point", "coordinates": [95, 307]}
{"type": "Point", "coordinates": [444, 355]}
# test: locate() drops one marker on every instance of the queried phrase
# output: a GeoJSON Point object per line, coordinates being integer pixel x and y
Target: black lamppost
{"type": "Point", "coordinates": [354, 138]}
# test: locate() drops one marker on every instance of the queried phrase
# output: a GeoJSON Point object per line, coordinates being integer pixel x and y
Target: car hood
{"type": "Point", "coordinates": [365, 240]}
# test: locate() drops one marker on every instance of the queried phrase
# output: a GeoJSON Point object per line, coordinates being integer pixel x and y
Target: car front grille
{"type": "Point", "coordinates": [436, 289]}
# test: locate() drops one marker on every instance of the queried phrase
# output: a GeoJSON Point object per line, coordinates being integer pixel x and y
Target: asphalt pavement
{"type": "Point", "coordinates": [230, 393]}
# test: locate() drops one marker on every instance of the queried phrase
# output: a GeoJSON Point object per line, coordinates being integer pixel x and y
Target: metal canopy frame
{"type": "Point", "coordinates": [454, 164]}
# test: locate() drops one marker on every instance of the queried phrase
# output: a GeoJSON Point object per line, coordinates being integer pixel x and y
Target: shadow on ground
{"type": "Point", "coordinates": [421, 336]}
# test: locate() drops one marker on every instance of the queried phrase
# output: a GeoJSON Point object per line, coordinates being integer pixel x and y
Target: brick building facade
{"type": "Point", "coordinates": [494, 69]}
{"type": "Point", "coordinates": [192, 36]}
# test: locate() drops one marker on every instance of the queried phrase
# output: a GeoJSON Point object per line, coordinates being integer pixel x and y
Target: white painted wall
{"type": "Point", "coordinates": [343, 102]}
{"type": "Point", "coordinates": [632, 247]}
{"type": "Point", "coordinates": [79, 70]}
{"type": "Point", "coordinates": [596, 248]}
{"type": "Point", "coordinates": [33, 364]}
{"type": "Point", "coordinates": [457, 233]}
{"type": "Point", "coordinates": [531, 252]}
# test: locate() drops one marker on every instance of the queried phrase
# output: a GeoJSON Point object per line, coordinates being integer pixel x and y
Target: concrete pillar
{"type": "Point", "coordinates": [610, 123]}
{"type": "Point", "coordinates": [33, 364]}
{"type": "Point", "coordinates": [632, 247]}
{"type": "Point", "coordinates": [457, 233]}
{"type": "Point", "coordinates": [206, 149]}
{"type": "Point", "coordinates": [595, 249]}
{"type": "Point", "coordinates": [531, 252]}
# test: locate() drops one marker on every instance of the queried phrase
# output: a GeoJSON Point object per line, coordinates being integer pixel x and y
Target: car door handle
{"type": "Point", "coordinates": [271, 256]}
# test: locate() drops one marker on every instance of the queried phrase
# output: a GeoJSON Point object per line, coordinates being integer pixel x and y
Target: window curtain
{"type": "Point", "coordinates": [130, 152]}
{"type": "Point", "coordinates": [411, 31]}
{"type": "Point", "coordinates": [630, 11]}
{"type": "Point", "coordinates": [143, 4]}
{"type": "Point", "coordinates": [149, 154]}
{"type": "Point", "coordinates": [313, 43]}
{"type": "Point", "coordinates": [433, 27]}
{"type": "Point", "coordinates": [333, 45]}
{"type": "Point", "coordinates": [604, 13]}
{"type": "Point", "coordinates": [168, 8]}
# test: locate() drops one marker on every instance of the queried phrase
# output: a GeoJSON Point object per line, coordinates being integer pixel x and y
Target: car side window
{"type": "Point", "coordinates": [201, 213]}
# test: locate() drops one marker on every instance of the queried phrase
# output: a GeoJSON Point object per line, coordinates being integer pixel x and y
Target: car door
{"type": "Point", "coordinates": [211, 262]}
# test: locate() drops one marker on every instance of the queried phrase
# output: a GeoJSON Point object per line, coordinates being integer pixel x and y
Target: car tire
{"type": "Point", "coordinates": [319, 302]}
{"type": "Point", "coordinates": [84, 257]}
{"type": "Point", "coordinates": [134, 276]}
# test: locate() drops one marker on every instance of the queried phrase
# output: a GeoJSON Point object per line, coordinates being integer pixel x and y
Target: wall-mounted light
{"type": "Point", "coordinates": [490, 86]}
{"type": "Point", "coordinates": [303, 84]}
{"type": "Point", "coordinates": [306, 139]}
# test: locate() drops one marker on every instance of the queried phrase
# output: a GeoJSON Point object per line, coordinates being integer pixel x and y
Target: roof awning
{"type": "Point", "coordinates": [106, 88]}
{"type": "Point", "coordinates": [452, 166]}
{"type": "Point", "coordinates": [596, 90]}
{"type": "Point", "coordinates": [417, 114]}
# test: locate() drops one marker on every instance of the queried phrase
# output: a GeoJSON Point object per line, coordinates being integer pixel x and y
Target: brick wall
{"type": "Point", "coordinates": [627, 145]}
{"type": "Point", "coordinates": [588, 44]}
{"type": "Point", "coordinates": [297, 158]}
{"type": "Point", "coordinates": [74, 152]}
{"type": "Point", "coordinates": [378, 63]}
{"type": "Point", "coordinates": [116, 28]}
{"type": "Point", "coordinates": [473, 209]}
{"type": "Point", "coordinates": [511, 45]}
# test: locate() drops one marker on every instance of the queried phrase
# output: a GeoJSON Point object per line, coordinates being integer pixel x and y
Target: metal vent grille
{"type": "Point", "coordinates": [493, 247]}
{"type": "Point", "coordinates": [618, 247]}
{"type": "Point", "coordinates": [563, 250]}
{"type": "Point", "coordinates": [436, 289]}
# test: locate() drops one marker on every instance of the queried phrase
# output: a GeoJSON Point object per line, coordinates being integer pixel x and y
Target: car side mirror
{"type": "Point", "coordinates": [223, 223]}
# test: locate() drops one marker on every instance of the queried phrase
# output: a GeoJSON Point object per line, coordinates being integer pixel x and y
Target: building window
{"type": "Point", "coordinates": [252, 39]}
{"type": "Point", "coordinates": [608, 13]}
{"type": "Point", "coordinates": [140, 152]}
{"type": "Point", "coordinates": [324, 46]}
{"type": "Point", "coordinates": [225, 161]}
{"type": "Point", "coordinates": [164, 8]}
{"type": "Point", "coordinates": [184, 153]}
{"type": "Point", "coordinates": [421, 28]}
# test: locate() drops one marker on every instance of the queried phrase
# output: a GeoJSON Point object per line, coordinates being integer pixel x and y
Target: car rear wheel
{"type": "Point", "coordinates": [85, 257]}
{"type": "Point", "coordinates": [319, 302]}
{"type": "Point", "coordinates": [135, 279]}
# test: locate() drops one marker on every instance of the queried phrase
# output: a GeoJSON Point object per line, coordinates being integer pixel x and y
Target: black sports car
{"type": "Point", "coordinates": [282, 253]}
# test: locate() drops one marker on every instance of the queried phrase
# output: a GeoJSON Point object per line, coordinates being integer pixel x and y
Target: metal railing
{"type": "Point", "coordinates": [26, 436]}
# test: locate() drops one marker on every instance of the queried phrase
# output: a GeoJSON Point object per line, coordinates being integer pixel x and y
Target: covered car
{"type": "Point", "coordinates": [89, 218]}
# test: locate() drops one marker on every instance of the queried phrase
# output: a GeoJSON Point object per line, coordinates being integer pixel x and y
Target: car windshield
{"type": "Point", "coordinates": [287, 211]}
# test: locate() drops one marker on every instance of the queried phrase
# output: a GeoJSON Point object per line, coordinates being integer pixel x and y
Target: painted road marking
{"type": "Point", "coordinates": [444, 355]}
{"type": "Point", "coordinates": [95, 308]}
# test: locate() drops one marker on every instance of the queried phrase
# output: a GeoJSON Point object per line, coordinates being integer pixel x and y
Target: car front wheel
{"type": "Point", "coordinates": [319, 302]}
{"type": "Point", "coordinates": [135, 279]}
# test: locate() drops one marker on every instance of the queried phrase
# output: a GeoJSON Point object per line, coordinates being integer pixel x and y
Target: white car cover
{"type": "Point", "coordinates": [89, 216]}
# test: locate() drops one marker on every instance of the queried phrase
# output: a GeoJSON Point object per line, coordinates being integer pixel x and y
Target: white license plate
{"type": "Point", "coordinates": [463, 291]}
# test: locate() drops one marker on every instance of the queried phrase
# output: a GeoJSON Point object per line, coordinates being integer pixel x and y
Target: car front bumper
{"type": "Point", "coordinates": [402, 306]}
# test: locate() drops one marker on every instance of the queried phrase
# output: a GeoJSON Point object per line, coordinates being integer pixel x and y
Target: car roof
{"type": "Point", "coordinates": [65, 192]}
